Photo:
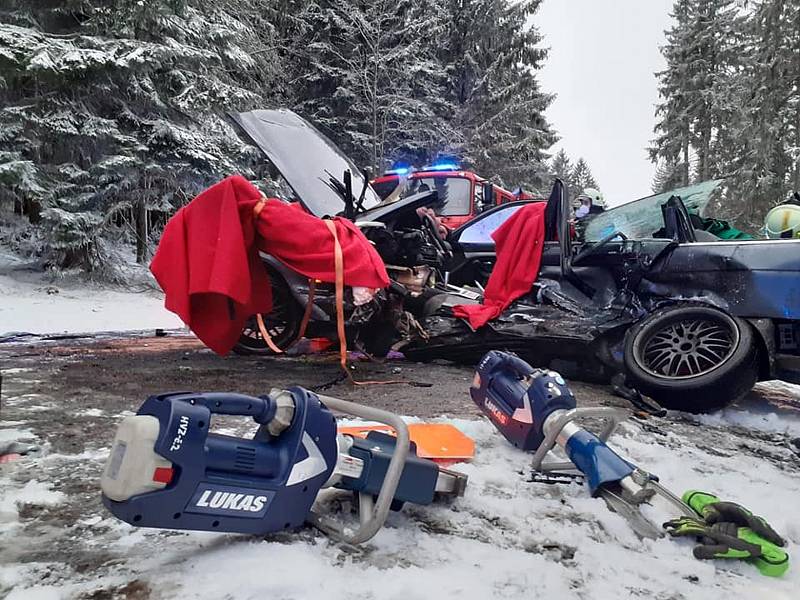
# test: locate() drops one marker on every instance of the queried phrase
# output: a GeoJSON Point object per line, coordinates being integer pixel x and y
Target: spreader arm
{"type": "Point", "coordinates": [560, 419]}
{"type": "Point", "coordinates": [371, 517]}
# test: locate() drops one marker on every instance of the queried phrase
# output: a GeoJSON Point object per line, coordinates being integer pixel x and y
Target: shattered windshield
{"type": "Point", "coordinates": [312, 165]}
{"type": "Point", "coordinates": [455, 193]}
{"type": "Point", "coordinates": [642, 218]}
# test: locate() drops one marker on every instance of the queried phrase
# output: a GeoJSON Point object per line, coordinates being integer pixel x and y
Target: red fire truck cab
{"type": "Point", "coordinates": [462, 195]}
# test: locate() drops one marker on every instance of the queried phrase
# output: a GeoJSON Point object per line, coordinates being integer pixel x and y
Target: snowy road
{"type": "Point", "coordinates": [46, 308]}
{"type": "Point", "coordinates": [33, 303]}
{"type": "Point", "coordinates": [506, 538]}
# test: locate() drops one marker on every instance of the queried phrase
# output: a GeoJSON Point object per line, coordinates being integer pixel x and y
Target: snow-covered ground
{"type": "Point", "coordinates": [507, 538]}
{"type": "Point", "coordinates": [32, 303]}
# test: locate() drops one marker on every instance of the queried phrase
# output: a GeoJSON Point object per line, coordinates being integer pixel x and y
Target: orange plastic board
{"type": "Point", "coordinates": [440, 442]}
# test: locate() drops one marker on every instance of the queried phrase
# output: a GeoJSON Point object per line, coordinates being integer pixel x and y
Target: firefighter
{"type": "Point", "coordinates": [591, 203]}
{"type": "Point", "coordinates": [597, 202]}
{"type": "Point", "coordinates": [783, 222]}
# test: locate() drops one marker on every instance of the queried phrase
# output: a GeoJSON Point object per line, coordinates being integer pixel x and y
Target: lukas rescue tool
{"type": "Point", "coordinates": [167, 470]}
{"type": "Point", "coordinates": [536, 411]}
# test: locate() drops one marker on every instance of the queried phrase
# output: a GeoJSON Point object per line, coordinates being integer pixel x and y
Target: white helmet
{"type": "Point", "coordinates": [596, 196]}
{"type": "Point", "coordinates": [783, 222]}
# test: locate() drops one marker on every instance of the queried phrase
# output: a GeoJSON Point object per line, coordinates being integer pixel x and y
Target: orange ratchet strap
{"type": "Point", "coordinates": [259, 206]}
{"type": "Point", "coordinates": [259, 319]}
{"type": "Point", "coordinates": [312, 287]}
{"type": "Point", "coordinates": [338, 262]}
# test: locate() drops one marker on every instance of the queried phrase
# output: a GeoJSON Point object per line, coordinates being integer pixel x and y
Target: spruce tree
{"type": "Point", "coordinates": [769, 140]}
{"type": "Point", "coordinates": [712, 61]}
{"type": "Point", "coordinates": [561, 167]}
{"type": "Point", "coordinates": [113, 113]}
{"type": "Point", "coordinates": [491, 56]}
{"type": "Point", "coordinates": [730, 101]}
{"type": "Point", "coordinates": [581, 178]}
{"type": "Point", "coordinates": [366, 73]}
{"type": "Point", "coordinates": [672, 130]}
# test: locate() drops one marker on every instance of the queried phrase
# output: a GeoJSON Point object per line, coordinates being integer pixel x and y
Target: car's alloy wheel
{"type": "Point", "coordinates": [691, 357]}
{"type": "Point", "coordinates": [282, 323]}
{"type": "Point", "coordinates": [689, 347]}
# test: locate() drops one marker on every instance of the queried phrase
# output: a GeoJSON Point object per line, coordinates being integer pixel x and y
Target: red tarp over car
{"type": "Point", "coordinates": [207, 261]}
{"type": "Point", "coordinates": [519, 243]}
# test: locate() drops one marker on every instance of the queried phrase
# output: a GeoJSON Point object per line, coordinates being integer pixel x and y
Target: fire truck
{"type": "Point", "coordinates": [461, 194]}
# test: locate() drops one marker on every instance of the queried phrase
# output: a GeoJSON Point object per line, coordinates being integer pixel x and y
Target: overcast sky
{"type": "Point", "coordinates": [603, 54]}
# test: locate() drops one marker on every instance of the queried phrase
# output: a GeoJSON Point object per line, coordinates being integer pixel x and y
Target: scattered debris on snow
{"type": "Point", "coordinates": [34, 492]}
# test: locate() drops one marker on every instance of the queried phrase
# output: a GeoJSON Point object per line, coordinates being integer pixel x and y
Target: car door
{"type": "Point", "coordinates": [677, 222]}
{"type": "Point", "coordinates": [474, 248]}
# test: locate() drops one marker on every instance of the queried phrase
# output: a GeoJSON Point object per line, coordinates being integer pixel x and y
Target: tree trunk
{"type": "Point", "coordinates": [140, 220]}
{"type": "Point", "coordinates": [796, 178]}
{"type": "Point", "coordinates": [705, 151]}
{"type": "Point", "coordinates": [685, 175]}
{"type": "Point", "coordinates": [33, 210]}
{"type": "Point", "coordinates": [376, 47]}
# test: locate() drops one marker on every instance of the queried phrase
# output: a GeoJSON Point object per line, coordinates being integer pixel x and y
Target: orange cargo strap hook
{"type": "Point", "coordinates": [338, 262]}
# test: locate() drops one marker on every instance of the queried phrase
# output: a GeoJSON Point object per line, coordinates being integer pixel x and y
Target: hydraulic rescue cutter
{"type": "Point", "coordinates": [167, 470]}
{"type": "Point", "coordinates": [536, 411]}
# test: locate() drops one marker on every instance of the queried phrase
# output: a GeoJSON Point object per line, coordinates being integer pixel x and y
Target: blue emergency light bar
{"type": "Point", "coordinates": [398, 171]}
{"type": "Point", "coordinates": [442, 167]}
{"type": "Point", "coordinates": [406, 169]}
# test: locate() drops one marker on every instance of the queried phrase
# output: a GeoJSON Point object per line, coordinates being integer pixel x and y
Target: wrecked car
{"type": "Point", "coordinates": [327, 183]}
{"type": "Point", "coordinates": [690, 320]}
{"type": "Point", "coordinates": [423, 262]}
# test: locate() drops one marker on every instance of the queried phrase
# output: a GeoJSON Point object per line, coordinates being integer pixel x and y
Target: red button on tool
{"type": "Point", "coordinates": [163, 474]}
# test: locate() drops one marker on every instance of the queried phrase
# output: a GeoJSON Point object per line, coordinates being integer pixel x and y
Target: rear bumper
{"type": "Point", "coordinates": [787, 367]}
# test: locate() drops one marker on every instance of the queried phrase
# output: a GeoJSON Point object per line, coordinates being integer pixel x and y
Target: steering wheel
{"type": "Point", "coordinates": [596, 248]}
{"type": "Point", "coordinates": [438, 240]}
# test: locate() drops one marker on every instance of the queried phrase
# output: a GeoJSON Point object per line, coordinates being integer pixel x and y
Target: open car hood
{"type": "Point", "coordinates": [312, 165]}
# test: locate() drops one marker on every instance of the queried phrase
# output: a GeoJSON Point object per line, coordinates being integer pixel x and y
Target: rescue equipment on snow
{"type": "Point", "coordinates": [167, 470]}
{"type": "Point", "coordinates": [536, 411]}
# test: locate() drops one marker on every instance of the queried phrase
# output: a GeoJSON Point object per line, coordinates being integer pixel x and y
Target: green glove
{"type": "Point", "coordinates": [721, 540]}
{"type": "Point", "coordinates": [729, 530]}
{"type": "Point", "coordinates": [713, 510]}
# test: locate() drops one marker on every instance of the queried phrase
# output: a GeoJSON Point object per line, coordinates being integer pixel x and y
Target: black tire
{"type": "Point", "coordinates": [691, 358]}
{"type": "Point", "coordinates": [282, 323]}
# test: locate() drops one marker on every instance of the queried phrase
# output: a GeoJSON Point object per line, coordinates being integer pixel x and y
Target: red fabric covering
{"type": "Point", "coordinates": [302, 242]}
{"type": "Point", "coordinates": [208, 266]}
{"type": "Point", "coordinates": [519, 243]}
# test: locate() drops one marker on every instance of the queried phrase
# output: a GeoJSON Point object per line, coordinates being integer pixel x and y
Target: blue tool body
{"type": "Point", "coordinates": [417, 483]}
{"type": "Point", "coordinates": [233, 484]}
{"type": "Point", "coordinates": [167, 470]}
{"type": "Point", "coordinates": [519, 399]}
